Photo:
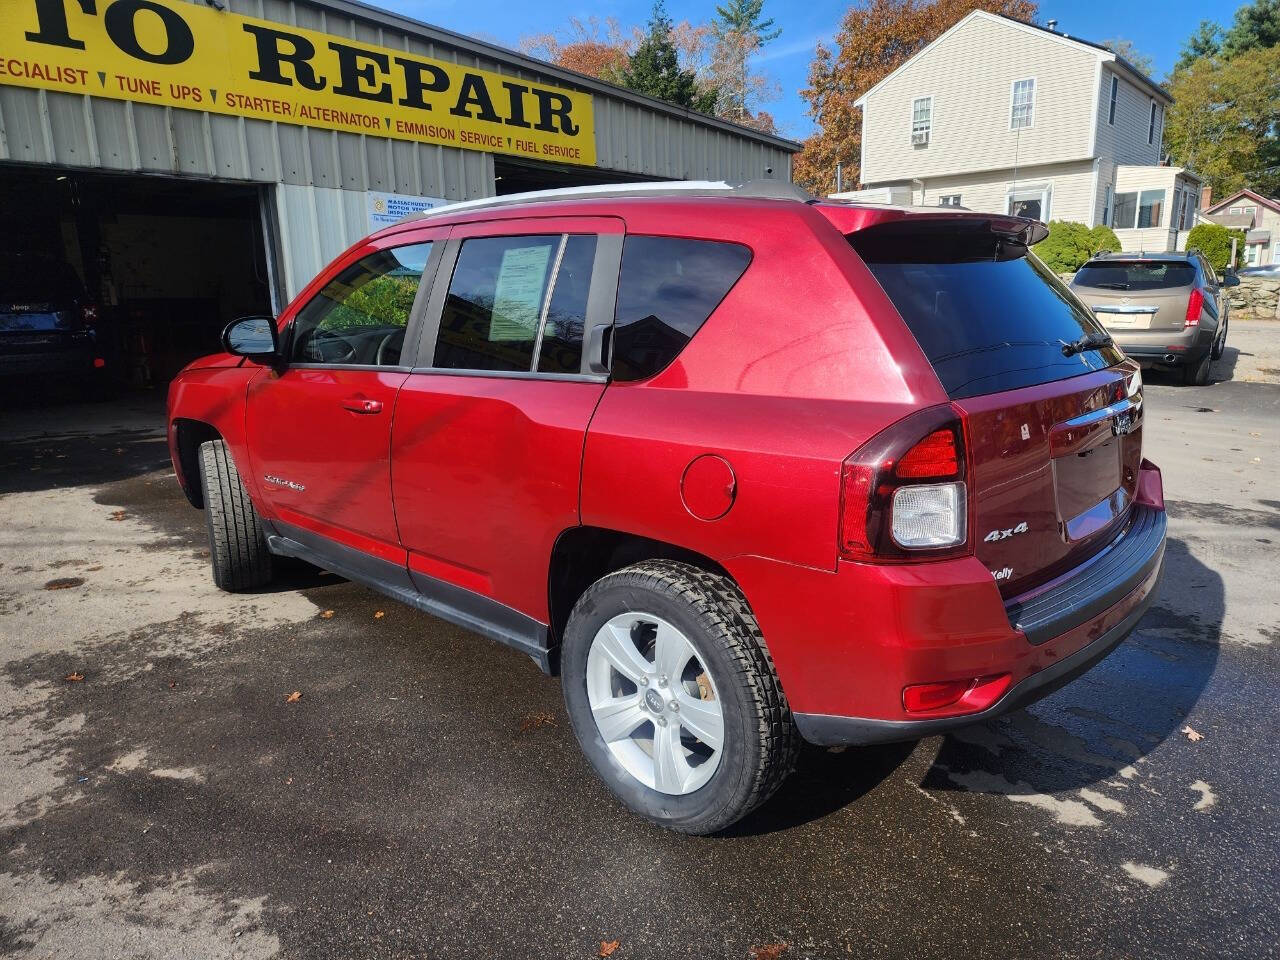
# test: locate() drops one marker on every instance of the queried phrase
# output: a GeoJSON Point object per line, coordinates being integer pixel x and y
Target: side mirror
{"type": "Point", "coordinates": [1230, 279]}
{"type": "Point", "coordinates": [253, 337]}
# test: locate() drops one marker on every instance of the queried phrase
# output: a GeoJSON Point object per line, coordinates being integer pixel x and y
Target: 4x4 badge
{"type": "Point", "coordinates": [995, 535]}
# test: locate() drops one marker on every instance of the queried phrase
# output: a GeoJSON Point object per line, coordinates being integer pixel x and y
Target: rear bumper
{"type": "Point", "coordinates": [829, 730]}
{"type": "Point", "coordinates": [1168, 349]}
{"type": "Point", "coordinates": [847, 642]}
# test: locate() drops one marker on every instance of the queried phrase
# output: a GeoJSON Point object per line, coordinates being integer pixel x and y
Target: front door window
{"type": "Point", "coordinates": [361, 314]}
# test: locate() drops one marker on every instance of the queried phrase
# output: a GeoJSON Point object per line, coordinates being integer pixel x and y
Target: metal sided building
{"type": "Point", "coordinates": [196, 160]}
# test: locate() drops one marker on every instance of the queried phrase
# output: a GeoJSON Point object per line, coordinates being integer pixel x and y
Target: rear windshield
{"type": "Point", "coordinates": [36, 280]}
{"type": "Point", "coordinates": [988, 316]}
{"type": "Point", "coordinates": [1136, 275]}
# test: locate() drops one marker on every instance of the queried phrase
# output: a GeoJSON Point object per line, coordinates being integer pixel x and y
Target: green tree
{"type": "Point", "coordinates": [1256, 26]}
{"type": "Point", "coordinates": [740, 30]}
{"type": "Point", "coordinates": [654, 68]}
{"type": "Point", "coordinates": [1214, 241]}
{"type": "Point", "coordinates": [1205, 42]}
{"type": "Point", "coordinates": [1069, 245]}
{"type": "Point", "coordinates": [1125, 50]}
{"type": "Point", "coordinates": [1223, 120]}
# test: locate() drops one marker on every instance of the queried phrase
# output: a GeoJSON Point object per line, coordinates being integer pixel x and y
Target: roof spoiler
{"type": "Point", "coordinates": [849, 218]}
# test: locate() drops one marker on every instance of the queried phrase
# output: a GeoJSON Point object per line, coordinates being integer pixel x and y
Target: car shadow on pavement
{"type": "Point", "coordinates": [1096, 728]}
{"type": "Point", "coordinates": [48, 463]}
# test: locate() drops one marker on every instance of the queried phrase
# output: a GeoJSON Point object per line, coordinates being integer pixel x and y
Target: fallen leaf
{"type": "Point", "coordinates": [93, 569]}
{"type": "Point", "coordinates": [1192, 734]}
{"type": "Point", "coordinates": [378, 615]}
{"type": "Point", "coordinates": [64, 583]}
{"type": "Point", "coordinates": [73, 677]}
{"type": "Point", "coordinates": [534, 720]}
{"type": "Point", "coordinates": [769, 951]}
{"type": "Point", "coordinates": [327, 615]}
{"type": "Point", "coordinates": [118, 515]}
{"type": "Point", "coordinates": [293, 697]}
{"type": "Point", "coordinates": [607, 947]}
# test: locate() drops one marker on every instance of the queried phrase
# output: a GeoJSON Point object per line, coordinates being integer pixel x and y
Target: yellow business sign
{"type": "Point", "coordinates": [183, 55]}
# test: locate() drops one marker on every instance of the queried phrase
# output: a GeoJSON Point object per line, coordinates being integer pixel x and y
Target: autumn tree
{"type": "Point", "coordinates": [598, 48]}
{"type": "Point", "coordinates": [874, 38]}
{"type": "Point", "coordinates": [1223, 120]}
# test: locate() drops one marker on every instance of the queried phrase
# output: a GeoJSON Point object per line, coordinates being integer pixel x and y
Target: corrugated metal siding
{"type": "Point", "coordinates": [323, 174]}
{"type": "Point", "coordinates": [84, 131]}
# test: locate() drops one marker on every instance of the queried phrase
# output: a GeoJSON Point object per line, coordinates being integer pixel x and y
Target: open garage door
{"type": "Point", "coordinates": [124, 278]}
{"type": "Point", "coordinates": [521, 176]}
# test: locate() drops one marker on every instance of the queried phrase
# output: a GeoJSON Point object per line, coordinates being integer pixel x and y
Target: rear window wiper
{"type": "Point", "coordinates": [1112, 286]}
{"type": "Point", "coordinates": [1090, 341]}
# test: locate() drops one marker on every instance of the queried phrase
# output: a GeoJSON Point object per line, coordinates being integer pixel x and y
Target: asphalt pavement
{"type": "Point", "coordinates": [163, 794]}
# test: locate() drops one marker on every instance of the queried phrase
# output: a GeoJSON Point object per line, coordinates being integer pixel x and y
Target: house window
{"type": "Point", "coordinates": [1150, 206]}
{"type": "Point", "coordinates": [1151, 127]}
{"type": "Point", "coordinates": [1189, 214]}
{"type": "Point", "coordinates": [1031, 202]}
{"type": "Point", "coordinates": [1236, 210]}
{"type": "Point", "coordinates": [1125, 213]}
{"type": "Point", "coordinates": [1022, 108]}
{"type": "Point", "coordinates": [1115, 92]}
{"type": "Point", "coordinates": [949, 200]}
{"type": "Point", "coordinates": [1106, 206]}
{"type": "Point", "coordinates": [1252, 254]}
{"type": "Point", "coordinates": [921, 121]}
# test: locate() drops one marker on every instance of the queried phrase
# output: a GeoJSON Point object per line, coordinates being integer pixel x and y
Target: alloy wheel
{"type": "Point", "coordinates": [654, 703]}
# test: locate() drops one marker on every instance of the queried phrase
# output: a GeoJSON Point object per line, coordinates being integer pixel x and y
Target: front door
{"type": "Point", "coordinates": [320, 431]}
{"type": "Point", "coordinates": [487, 445]}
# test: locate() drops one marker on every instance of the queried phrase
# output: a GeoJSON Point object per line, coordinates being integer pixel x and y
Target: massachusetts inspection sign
{"type": "Point", "coordinates": [198, 58]}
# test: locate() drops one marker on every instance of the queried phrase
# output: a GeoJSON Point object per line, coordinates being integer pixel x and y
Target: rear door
{"type": "Point", "coordinates": [489, 427]}
{"type": "Point", "coordinates": [319, 433]}
{"type": "Point", "coordinates": [1054, 432]}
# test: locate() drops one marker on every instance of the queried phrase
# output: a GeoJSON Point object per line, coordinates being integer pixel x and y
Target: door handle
{"type": "Point", "coordinates": [361, 405]}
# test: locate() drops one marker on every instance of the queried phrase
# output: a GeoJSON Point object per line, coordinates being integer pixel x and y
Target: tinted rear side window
{"type": "Point", "coordinates": [988, 317]}
{"type": "Point", "coordinates": [1136, 275]}
{"type": "Point", "coordinates": [667, 289]}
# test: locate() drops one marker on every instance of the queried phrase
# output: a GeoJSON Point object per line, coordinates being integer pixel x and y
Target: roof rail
{"type": "Point", "coordinates": [757, 189]}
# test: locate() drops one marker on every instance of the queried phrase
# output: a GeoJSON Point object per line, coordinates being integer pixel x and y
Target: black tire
{"type": "Point", "coordinates": [760, 738]}
{"type": "Point", "coordinates": [1220, 345]}
{"type": "Point", "coordinates": [1197, 375]}
{"type": "Point", "coordinates": [237, 543]}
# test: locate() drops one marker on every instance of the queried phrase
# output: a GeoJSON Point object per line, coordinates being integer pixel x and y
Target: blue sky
{"type": "Point", "coordinates": [1156, 29]}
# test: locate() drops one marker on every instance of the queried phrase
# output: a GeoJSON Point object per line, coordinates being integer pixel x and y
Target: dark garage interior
{"type": "Point", "coordinates": [163, 264]}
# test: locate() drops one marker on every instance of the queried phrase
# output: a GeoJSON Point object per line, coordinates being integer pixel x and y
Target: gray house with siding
{"type": "Point", "coordinates": [1007, 117]}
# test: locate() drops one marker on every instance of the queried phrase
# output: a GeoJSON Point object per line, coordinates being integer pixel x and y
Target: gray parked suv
{"type": "Point", "coordinates": [1162, 309]}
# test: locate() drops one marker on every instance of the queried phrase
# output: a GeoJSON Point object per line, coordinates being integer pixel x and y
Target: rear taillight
{"type": "Point", "coordinates": [1195, 303]}
{"type": "Point", "coordinates": [903, 493]}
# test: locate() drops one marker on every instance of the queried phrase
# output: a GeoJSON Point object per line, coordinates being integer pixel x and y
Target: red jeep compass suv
{"type": "Point", "coordinates": [746, 468]}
